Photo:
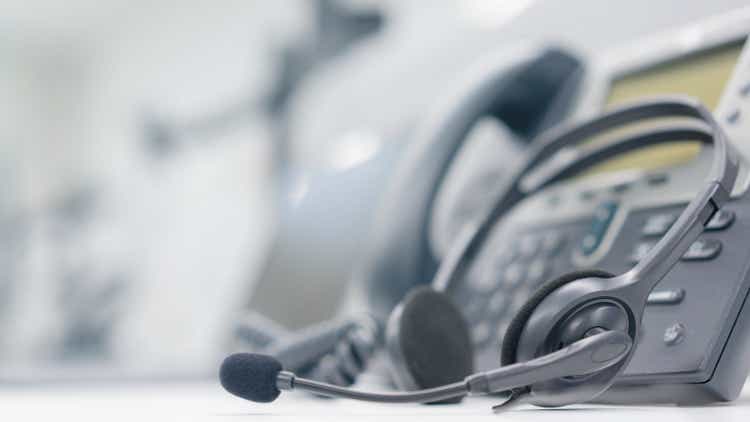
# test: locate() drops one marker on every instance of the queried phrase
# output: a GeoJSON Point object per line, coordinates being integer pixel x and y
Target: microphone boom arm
{"type": "Point", "coordinates": [585, 356]}
{"type": "Point", "coordinates": [287, 381]}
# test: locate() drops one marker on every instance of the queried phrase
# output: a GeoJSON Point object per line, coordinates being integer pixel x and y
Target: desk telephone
{"type": "Point", "coordinates": [693, 339]}
{"type": "Point", "coordinates": [696, 327]}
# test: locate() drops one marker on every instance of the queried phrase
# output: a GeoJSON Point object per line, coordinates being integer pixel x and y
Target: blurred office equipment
{"type": "Point", "coordinates": [170, 169]}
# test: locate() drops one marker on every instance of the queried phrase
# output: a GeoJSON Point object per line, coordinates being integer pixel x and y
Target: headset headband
{"type": "Point", "coordinates": [686, 228]}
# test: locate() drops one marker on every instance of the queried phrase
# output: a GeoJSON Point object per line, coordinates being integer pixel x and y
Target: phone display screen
{"type": "Point", "coordinates": [701, 75]}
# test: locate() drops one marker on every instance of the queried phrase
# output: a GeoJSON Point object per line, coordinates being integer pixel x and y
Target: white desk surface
{"type": "Point", "coordinates": [206, 401]}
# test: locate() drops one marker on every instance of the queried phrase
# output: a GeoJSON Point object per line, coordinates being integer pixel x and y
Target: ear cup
{"type": "Point", "coordinates": [513, 334]}
{"type": "Point", "coordinates": [428, 341]}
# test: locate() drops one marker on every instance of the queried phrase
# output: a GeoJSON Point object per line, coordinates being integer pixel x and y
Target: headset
{"type": "Point", "coordinates": [527, 97]}
{"type": "Point", "coordinates": [577, 333]}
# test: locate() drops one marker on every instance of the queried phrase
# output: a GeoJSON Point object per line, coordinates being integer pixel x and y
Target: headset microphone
{"type": "Point", "coordinates": [260, 378]}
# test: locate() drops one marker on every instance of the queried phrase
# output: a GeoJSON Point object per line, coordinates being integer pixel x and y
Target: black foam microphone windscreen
{"type": "Point", "coordinates": [251, 376]}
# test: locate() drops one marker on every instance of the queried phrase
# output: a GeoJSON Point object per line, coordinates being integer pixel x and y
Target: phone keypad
{"type": "Point", "coordinates": [503, 279]}
{"type": "Point", "coordinates": [507, 279]}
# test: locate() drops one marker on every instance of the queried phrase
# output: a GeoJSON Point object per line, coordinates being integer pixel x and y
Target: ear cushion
{"type": "Point", "coordinates": [513, 335]}
{"type": "Point", "coordinates": [433, 339]}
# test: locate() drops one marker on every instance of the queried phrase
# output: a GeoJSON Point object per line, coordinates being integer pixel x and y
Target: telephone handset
{"type": "Point", "coordinates": [526, 98]}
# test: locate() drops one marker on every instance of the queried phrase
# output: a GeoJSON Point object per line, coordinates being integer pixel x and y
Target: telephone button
{"type": "Point", "coordinates": [655, 179]}
{"type": "Point", "coordinates": [587, 195]}
{"type": "Point", "coordinates": [721, 220]}
{"type": "Point", "coordinates": [640, 251]}
{"type": "Point", "coordinates": [513, 275]}
{"type": "Point", "coordinates": [702, 249]}
{"type": "Point", "coordinates": [552, 242]}
{"type": "Point", "coordinates": [497, 304]}
{"type": "Point", "coordinates": [620, 187]}
{"type": "Point", "coordinates": [485, 282]}
{"type": "Point", "coordinates": [481, 333]}
{"type": "Point", "coordinates": [508, 255]}
{"type": "Point", "coordinates": [536, 272]}
{"type": "Point", "coordinates": [657, 225]}
{"type": "Point", "coordinates": [666, 297]}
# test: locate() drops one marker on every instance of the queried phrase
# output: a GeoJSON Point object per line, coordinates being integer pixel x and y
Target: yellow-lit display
{"type": "Point", "coordinates": [701, 75]}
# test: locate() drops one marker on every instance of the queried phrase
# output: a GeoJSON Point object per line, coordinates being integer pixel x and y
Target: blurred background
{"type": "Point", "coordinates": [172, 169]}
